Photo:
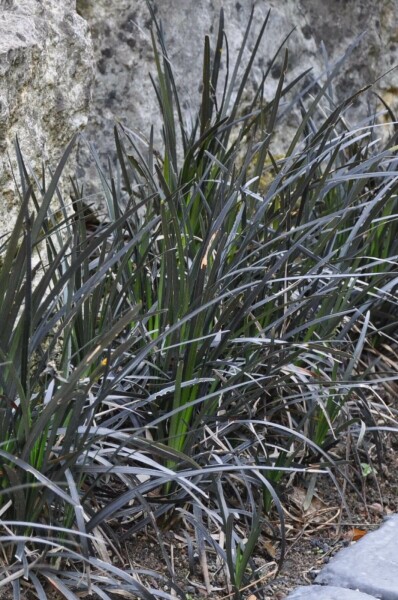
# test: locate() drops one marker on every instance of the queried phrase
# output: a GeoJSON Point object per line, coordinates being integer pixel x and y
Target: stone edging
{"type": "Point", "coordinates": [365, 570]}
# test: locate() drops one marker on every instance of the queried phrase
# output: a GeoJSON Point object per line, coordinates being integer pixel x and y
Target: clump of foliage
{"type": "Point", "coordinates": [170, 367]}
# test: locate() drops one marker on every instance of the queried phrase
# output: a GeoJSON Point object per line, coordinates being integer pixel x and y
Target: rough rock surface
{"type": "Point", "coordinates": [46, 74]}
{"type": "Point", "coordinates": [46, 62]}
{"type": "Point", "coordinates": [124, 56]}
{"type": "Point", "coordinates": [123, 50]}
{"type": "Point", "coordinates": [317, 592]}
{"type": "Point", "coordinates": [371, 565]}
{"type": "Point", "coordinates": [337, 23]}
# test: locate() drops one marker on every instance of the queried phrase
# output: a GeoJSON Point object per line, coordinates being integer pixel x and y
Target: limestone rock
{"type": "Point", "coordinates": [46, 72]}
{"type": "Point", "coordinates": [46, 61]}
{"type": "Point", "coordinates": [338, 22]}
{"type": "Point", "coordinates": [124, 58]}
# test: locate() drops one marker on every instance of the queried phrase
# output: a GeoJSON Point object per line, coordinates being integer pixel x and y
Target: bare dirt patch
{"type": "Point", "coordinates": [314, 534]}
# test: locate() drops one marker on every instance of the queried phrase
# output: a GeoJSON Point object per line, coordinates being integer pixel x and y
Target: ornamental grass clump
{"type": "Point", "coordinates": [220, 333]}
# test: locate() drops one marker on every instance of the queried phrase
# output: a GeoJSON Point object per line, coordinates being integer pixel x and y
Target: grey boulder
{"type": "Point", "coordinates": [46, 76]}
{"type": "Point", "coordinates": [124, 57]}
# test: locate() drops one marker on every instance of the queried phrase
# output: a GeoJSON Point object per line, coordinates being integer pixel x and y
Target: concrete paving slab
{"type": "Point", "coordinates": [327, 592]}
{"type": "Point", "coordinates": [370, 565]}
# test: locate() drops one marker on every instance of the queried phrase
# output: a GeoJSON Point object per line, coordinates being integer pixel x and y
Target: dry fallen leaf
{"type": "Point", "coordinates": [357, 534]}
{"type": "Point", "coordinates": [269, 548]}
{"type": "Point", "coordinates": [298, 496]}
{"type": "Point", "coordinates": [354, 534]}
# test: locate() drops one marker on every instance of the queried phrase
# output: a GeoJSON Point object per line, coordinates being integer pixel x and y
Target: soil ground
{"type": "Point", "coordinates": [314, 535]}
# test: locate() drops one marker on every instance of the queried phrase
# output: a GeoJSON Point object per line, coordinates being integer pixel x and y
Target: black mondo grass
{"type": "Point", "coordinates": [226, 329]}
